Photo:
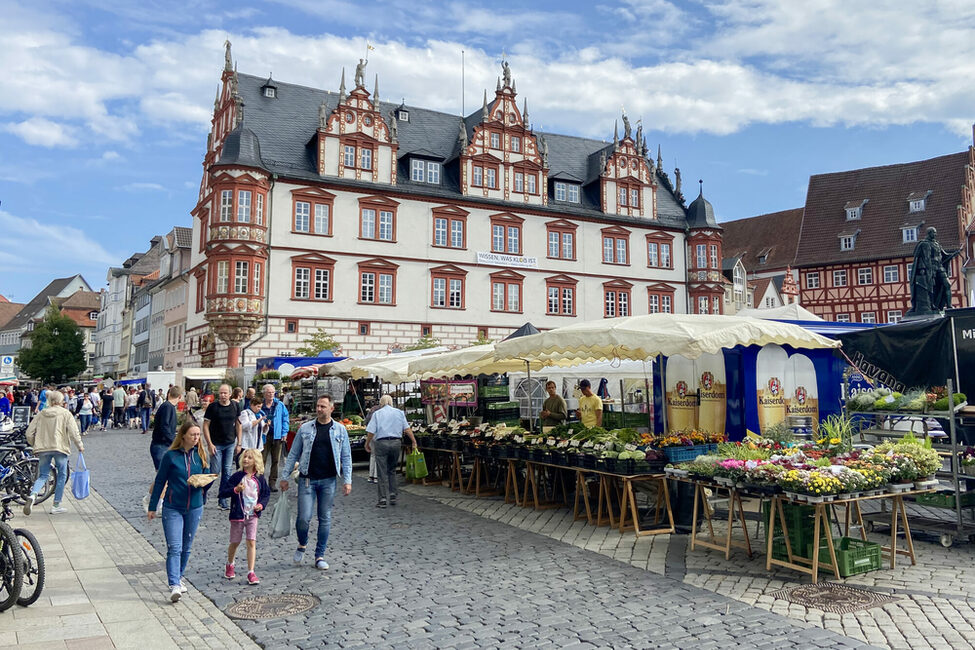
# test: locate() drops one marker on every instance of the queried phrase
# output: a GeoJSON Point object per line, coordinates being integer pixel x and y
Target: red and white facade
{"type": "Point", "coordinates": [372, 248]}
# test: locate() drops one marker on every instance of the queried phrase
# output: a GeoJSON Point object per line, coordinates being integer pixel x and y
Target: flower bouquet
{"type": "Point", "coordinates": [729, 472]}
{"type": "Point", "coordinates": [814, 486]}
{"type": "Point", "coordinates": [763, 477]}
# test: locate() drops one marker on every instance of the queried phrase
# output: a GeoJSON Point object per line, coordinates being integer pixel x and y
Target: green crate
{"type": "Point", "coordinates": [780, 552]}
{"type": "Point", "coordinates": [618, 420]}
{"type": "Point", "coordinates": [945, 499]}
{"type": "Point", "coordinates": [493, 391]}
{"type": "Point", "coordinates": [799, 519]}
{"type": "Point", "coordinates": [500, 406]}
{"type": "Point", "coordinates": [853, 556]}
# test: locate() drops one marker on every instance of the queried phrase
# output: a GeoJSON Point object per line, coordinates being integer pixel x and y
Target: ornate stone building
{"type": "Point", "coordinates": [383, 223]}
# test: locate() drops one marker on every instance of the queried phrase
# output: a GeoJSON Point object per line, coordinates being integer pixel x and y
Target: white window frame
{"type": "Point", "coordinates": [492, 178]}
{"type": "Point", "coordinates": [349, 156]}
{"type": "Point", "coordinates": [572, 193]}
{"type": "Point", "coordinates": [653, 254]}
{"type": "Point", "coordinates": [869, 317]}
{"type": "Point", "coordinates": [226, 205]}
{"type": "Point", "coordinates": [417, 170]}
{"type": "Point", "coordinates": [530, 187]}
{"type": "Point", "coordinates": [516, 144]}
{"type": "Point", "coordinates": [665, 260]}
{"type": "Point", "coordinates": [497, 238]}
{"type": "Point", "coordinates": [703, 304]}
{"type": "Point", "coordinates": [714, 256]}
{"type": "Point", "coordinates": [495, 140]}
{"type": "Point", "coordinates": [440, 227]}
{"type": "Point", "coordinates": [241, 276]}
{"type": "Point", "coordinates": [560, 191]}
{"type": "Point", "coordinates": [365, 158]}
{"type": "Point", "coordinates": [323, 284]}
{"type": "Point", "coordinates": [367, 287]}
{"type": "Point", "coordinates": [842, 318]}
{"type": "Point", "coordinates": [260, 209]}
{"type": "Point", "coordinates": [477, 176]}
{"type": "Point", "coordinates": [384, 293]}
{"type": "Point", "coordinates": [701, 251]}
{"type": "Point", "coordinates": [514, 240]}
{"type": "Point", "coordinates": [864, 272]}
{"type": "Point", "coordinates": [457, 233]}
{"type": "Point", "coordinates": [892, 273]}
{"type": "Point", "coordinates": [852, 213]}
{"type": "Point", "coordinates": [847, 243]}
{"type": "Point", "coordinates": [302, 216]}
{"type": "Point", "coordinates": [812, 280]}
{"type": "Point", "coordinates": [368, 217]}
{"type": "Point", "coordinates": [223, 276]}
{"type": "Point", "coordinates": [909, 235]}
{"type": "Point", "coordinates": [257, 278]}
{"type": "Point", "coordinates": [439, 298]}
{"type": "Point", "coordinates": [917, 205]}
{"type": "Point", "coordinates": [244, 206]}
{"type": "Point", "coordinates": [322, 216]}
{"type": "Point", "coordinates": [839, 278]}
{"type": "Point", "coordinates": [519, 182]}
{"type": "Point", "coordinates": [433, 172]}
{"type": "Point", "coordinates": [894, 315]}
{"type": "Point", "coordinates": [385, 225]}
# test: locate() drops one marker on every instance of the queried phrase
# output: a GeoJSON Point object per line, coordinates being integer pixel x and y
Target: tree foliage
{"type": "Point", "coordinates": [56, 352]}
{"type": "Point", "coordinates": [423, 343]}
{"type": "Point", "coordinates": [320, 340]}
{"type": "Point", "coordinates": [481, 339]}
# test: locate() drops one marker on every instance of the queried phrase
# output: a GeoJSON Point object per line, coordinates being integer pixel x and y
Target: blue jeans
{"type": "Point", "coordinates": [180, 529]}
{"type": "Point", "coordinates": [144, 414]}
{"type": "Point", "coordinates": [157, 452]}
{"type": "Point", "coordinates": [85, 421]}
{"type": "Point", "coordinates": [44, 470]}
{"type": "Point", "coordinates": [324, 491]}
{"type": "Point", "coordinates": [223, 462]}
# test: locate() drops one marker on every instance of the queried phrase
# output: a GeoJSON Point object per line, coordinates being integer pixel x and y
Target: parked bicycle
{"type": "Point", "coordinates": [25, 550]}
{"type": "Point", "coordinates": [16, 454]}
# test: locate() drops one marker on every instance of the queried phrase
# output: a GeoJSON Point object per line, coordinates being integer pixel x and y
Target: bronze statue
{"type": "Point", "coordinates": [930, 285]}
{"type": "Point", "coordinates": [506, 73]}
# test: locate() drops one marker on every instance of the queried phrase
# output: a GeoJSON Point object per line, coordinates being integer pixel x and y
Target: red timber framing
{"type": "Point", "coordinates": [855, 289]}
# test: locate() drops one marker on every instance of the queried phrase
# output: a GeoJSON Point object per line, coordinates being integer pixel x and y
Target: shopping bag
{"type": "Point", "coordinates": [80, 479]}
{"type": "Point", "coordinates": [282, 518]}
{"type": "Point", "coordinates": [410, 467]}
{"type": "Point", "coordinates": [419, 464]}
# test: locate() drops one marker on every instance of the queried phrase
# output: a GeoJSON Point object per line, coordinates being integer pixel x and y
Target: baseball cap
{"type": "Point", "coordinates": [585, 384]}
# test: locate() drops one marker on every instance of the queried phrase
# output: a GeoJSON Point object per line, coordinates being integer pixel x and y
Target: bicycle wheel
{"type": "Point", "coordinates": [11, 567]}
{"type": "Point", "coordinates": [19, 482]}
{"type": "Point", "coordinates": [33, 567]}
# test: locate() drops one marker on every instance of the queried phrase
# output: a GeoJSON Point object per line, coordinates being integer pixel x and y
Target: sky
{"type": "Point", "coordinates": [106, 104]}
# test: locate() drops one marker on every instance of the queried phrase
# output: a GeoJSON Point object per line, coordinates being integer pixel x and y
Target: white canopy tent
{"type": "Point", "coordinates": [792, 311]}
{"type": "Point", "coordinates": [392, 368]}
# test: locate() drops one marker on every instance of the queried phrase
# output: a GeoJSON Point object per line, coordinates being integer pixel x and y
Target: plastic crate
{"type": "Point", "coordinates": [685, 454]}
{"type": "Point", "coordinates": [799, 519]}
{"type": "Point", "coordinates": [853, 556]}
{"type": "Point", "coordinates": [501, 406]}
{"type": "Point", "coordinates": [945, 499]}
{"type": "Point", "coordinates": [493, 391]}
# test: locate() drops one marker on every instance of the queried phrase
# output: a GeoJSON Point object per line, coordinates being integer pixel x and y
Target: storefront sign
{"type": "Point", "coordinates": [500, 259]}
{"type": "Point", "coordinates": [462, 393]}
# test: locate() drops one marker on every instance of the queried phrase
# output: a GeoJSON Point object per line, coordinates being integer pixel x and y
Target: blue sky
{"type": "Point", "coordinates": [106, 104]}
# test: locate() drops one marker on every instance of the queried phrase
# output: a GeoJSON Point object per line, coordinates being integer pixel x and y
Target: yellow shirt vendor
{"type": "Point", "coordinates": [590, 406]}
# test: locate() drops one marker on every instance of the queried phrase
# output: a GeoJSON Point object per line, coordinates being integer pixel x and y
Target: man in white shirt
{"type": "Point", "coordinates": [385, 433]}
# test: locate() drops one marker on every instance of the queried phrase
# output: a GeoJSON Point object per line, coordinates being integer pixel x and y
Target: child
{"type": "Point", "coordinates": [248, 493]}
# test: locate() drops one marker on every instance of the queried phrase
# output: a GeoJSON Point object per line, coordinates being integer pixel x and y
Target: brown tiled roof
{"type": "Point", "coordinates": [887, 190]}
{"type": "Point", "coordinates": [777, 232]}
{"type": "Point", "coordinates": [82, 299]}
{"type": "Point", "coordinates": [8, 310]}
{"type": "Point", "coordinates": [761, 286]}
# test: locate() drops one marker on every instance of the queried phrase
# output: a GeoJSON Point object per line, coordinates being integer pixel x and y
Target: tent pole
{"type": "Point", "coordinates": [531, 415]}
{"type": "Point", "coordinates": [663, 390]}
{"type": "Point", "coordinates": [622, 406]}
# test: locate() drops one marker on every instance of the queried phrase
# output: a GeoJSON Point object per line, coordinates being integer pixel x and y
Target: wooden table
{"type": "Point", "coordinates": [735, 507]}
{"type": "Point", "coordinates": [628, 506]}
{"type": "Point", "coordinates": [822, 527]}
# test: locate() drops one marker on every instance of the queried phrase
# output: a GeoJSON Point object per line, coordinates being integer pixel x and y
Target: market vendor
{"type": "Point", "coordinates": [590, 406]}
{"type": "Point", "coordinates": [554, 411]}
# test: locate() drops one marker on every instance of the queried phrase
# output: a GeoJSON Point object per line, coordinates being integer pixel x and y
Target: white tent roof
{"type": "Point", "coordinates": [644, 337]}
{"type": "Point", "coordinates": [204, 373]}
{"type": "Point", "coordinates": [391, 368]}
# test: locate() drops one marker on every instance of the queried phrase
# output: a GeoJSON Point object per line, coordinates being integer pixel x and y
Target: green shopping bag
{"type": "Point", "coordinates": [416, 465]}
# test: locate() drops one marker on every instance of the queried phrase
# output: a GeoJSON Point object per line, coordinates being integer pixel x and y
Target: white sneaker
{"type": "Point", "coordinates": [29, 503]}
{"type": "Point", "coordinates": [182, 586]}
{"type": "Point", "coordinates": [175, 593]}
{"type": "Point", "coordinates": [58, 510]}
{"type": "Point", "coordinates": [145, 504]}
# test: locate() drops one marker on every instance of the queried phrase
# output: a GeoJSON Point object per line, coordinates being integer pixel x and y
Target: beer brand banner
{"type": "Point", "coordinates": [770, 370]}
{"type": "Point", "coordinates": [681, 394]}
{"type": "Point", "coordinates": [802, 388]}
{"type": "Point", "coordinates": [714, 397]}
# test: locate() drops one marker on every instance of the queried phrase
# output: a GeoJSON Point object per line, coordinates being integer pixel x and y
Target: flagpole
{"type": "Point", "coordinates": [463, 68]}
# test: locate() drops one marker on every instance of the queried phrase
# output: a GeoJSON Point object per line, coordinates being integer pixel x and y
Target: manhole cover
{"type": "Point", "coordinates": [278, 606]}
{"type": "Point", "coordinates": [834, 598]}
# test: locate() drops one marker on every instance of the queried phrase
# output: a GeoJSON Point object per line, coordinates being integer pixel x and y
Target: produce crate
{"type": "Point", "coordinates": [685, 454]}
{"type": "Point", "coordinates": [560, 458]}
{"type": "Point", "coordinates": [587, 461]}
{"type": "Point", "coordinates": [853, 556]}
{"type": "Point", "coordinates": [945, 499]}
{"type": "Point", "coordinates": [618, 420]}
{"type": "Point", "coordinates": [501, 406]}
{"type": "Point", "coordinates": [493, 391]}
{"type": "Point", "coordinates": [799, 519]}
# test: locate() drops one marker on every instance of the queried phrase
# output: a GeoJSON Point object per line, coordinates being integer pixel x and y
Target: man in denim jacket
{"type": "Point", "coordinates": [321, 450]}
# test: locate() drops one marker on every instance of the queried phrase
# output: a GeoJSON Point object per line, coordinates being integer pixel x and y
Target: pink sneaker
{"type": "Point", "coordinates": [229, 573]}
{"type": "Point", "coordinates": [252, 578]}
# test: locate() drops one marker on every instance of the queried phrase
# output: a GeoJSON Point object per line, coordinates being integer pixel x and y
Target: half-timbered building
{"type": "Point", "coordinates": [383, 223]}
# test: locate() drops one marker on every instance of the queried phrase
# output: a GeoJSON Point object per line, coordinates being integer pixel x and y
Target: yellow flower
{"type": "Point", "coordinates": [834, 441]}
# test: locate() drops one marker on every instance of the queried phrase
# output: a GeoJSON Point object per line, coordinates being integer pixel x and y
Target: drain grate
{"type": "Point", "coordinates": [834, 598]}
{"type": "Point", "coordinates": [272, 606]}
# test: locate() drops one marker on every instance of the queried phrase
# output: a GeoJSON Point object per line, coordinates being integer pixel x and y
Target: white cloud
{"type": "Point", "coordinates": [42, 132]}
{"type": "Point", "coordinates": [24, 238]}
{"type": "Point", "coordinates": [141, 187]}
{"type": "Point", "coordinates": [724, 66]}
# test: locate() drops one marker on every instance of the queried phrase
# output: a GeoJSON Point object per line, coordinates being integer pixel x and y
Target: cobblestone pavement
{"type": "Point", "coordinates": [935, 606]}
{"type": "Point", "coordinates": [434, 576]}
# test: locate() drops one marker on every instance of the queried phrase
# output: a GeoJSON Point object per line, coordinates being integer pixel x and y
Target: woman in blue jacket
{"type": "Point", "coordinates": [183, 504]}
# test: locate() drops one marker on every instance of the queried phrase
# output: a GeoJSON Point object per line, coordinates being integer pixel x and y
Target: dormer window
{"type": "Point", "coordinates": [853, 213]}
{"type": "Point", "coordinates": [568, 192]}
{"type": "Point", "coordinates": [424, 171]}
{"type": "Point", "coordinates": [854, 209]}
{"type": "Point", "coordinates": [762, 259]}
{"type": "Point", "coordinates": [846, 242]}
{"type": "Point", "coordinates": [403, 115]}
{"type": "Point", "coordinates": [917, 205]}
{"type": "Point", "coordinates": [917, 201]}
{"type": "Point", "coordinates": [270, 91]}
{"type": "Point", "coordinates": [909, 234]}
{"type": "Point", "coordinates": [93, 315]}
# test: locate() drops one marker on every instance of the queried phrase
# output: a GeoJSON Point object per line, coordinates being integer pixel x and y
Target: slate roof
{"type": "Point", "coordinates": [283, 128]}
{"type": "Point", "coordinates": [700, 213]}
{"type": "Point", "coordinates": [776, 231]}
{"type": "Point", "coordinates": [37, 303]}
{"type": "Point", "coordinates": [887, 189]}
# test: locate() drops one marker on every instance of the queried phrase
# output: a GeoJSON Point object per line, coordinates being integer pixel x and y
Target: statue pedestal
{"type": "Point", "coordinates": [914, 318]}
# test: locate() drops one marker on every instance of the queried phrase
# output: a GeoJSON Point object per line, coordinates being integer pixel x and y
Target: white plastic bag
{"type": "Point", "coordinates": [282, 517]}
